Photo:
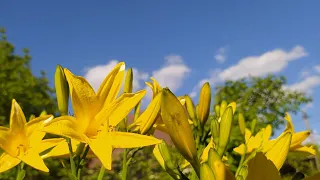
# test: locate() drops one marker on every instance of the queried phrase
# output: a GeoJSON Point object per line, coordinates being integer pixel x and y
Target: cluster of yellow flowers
{"type": "Point", "coordinates": [99, 125]}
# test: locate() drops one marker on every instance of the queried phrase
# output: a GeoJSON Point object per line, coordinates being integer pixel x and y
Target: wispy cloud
{"type": "Point", "coordinates": [272, 61]}
{"type": "Point", "coordinates": [173, 73]}
{"type": "Point", "coordinates": [221, 55]}
{"type": "Point", "coordinates": [317, 68]}
{"type": "Point", "coordinates": [306, 85]}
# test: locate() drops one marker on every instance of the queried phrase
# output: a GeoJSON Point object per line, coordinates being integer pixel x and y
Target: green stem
{"type": "Point", "coordinates": [124, 165]}
{"type": "Point", "coordinates": [73, 167]}
{"type": "Point", "coordinates": [21, 172]}
{"type": "Point", "coordinates": [101, 173]}
{"type": "Point", "coordinates": [82, 160]}
{"type": "Point", "coordinates": [241, 160]}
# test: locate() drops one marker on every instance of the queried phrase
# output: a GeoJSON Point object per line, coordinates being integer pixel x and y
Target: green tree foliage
{"type": "Point", "coordinates": [264, 99]}
{"type": "Point", "coordinates": [17, 81]}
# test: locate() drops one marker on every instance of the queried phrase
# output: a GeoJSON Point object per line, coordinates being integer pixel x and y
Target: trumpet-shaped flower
{"type": "Point", "coordinates": [96, 114]}
{"type": "Point", "coordinates": [261, 140]}
{"type": "Point", "coordinates": [23, 141]}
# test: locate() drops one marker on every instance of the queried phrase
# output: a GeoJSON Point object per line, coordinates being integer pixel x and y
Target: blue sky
{"type": "Point", "coordinates": [181, 43]}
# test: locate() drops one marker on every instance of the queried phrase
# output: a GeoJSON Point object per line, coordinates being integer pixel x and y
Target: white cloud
{"type": "Point", "coordinates": [305, 73]}
{"type": "Point", "coordinates": [317, 68]}
{"type": "Point", "coordinates": [173, 73]}
{"type": "Point", "coordinates": [221, 55]}
{"type": "Point", "coordinates": [270, 62]}
{"type": "Point", "coordinates": [305, 85]}
{"type": "Point", "coordinates": [96, 74]}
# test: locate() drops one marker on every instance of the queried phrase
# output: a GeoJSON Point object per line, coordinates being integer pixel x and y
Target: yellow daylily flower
{"type": "Point", "coordinates": [97, 113]}
{"type": "Point", "coordinates": [296, 141]}
{"type": "Point", "coordinates": [151, 116]}
{"type": "Point", "coordinates": [254, 142]}
{"type": "Point", "coordinates": [23, 141]}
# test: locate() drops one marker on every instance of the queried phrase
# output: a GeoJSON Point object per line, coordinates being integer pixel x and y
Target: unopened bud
{"type": "Point", "coordinates": [191, 110]}
{"type": "Point", "coordinates": [204, 103]}
{"type": "Point", "coordinates": [225, 130]}
{"type": "Point", "coordinates": [223, 107]}
{"type": "Point", "coordinates": [62, 90]}
{"type": "Point", "coordinates": [206, 172]}
{"type": "Point", "coordinates": [176, 120]}
{"type": "Point", "coordinates": [242, 124]}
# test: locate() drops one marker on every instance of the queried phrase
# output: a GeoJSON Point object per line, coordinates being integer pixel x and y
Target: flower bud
{"type": "Point", "coordinates": [62, 90]}
{"type": "Point", "coordinates": [242, 124]}
{"type": "Point", "coordinates": [217, 110]}
{"type": "Point", "coordinates": [191, 109]}
{"type": "Point", "coordinates": [223, 107]}
{"type": "Point", "coordinates": [162, 155]}
{"type": "Point", "coordinates": [206, 172]}
{"type": "Point", "coordinates": [215, 131]}
{"type": "Point", "coordinates": [204, 103]}
{"type": "Point", "coordinates": [225, 130]}
{"type": "Point", "coordinates": [176, 121]}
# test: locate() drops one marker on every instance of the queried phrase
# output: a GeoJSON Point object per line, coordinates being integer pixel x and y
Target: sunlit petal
{"type": "Point", "coordinates": [84, 101]}
{"type": "Point", "coordinates": [124, 104]}
{"type": "Point", "coordinates": [33, 159]}
{"type": "Point", "coordinates": [148, 117]}
{"type": "Point", "coordinates": [299, 137]}
{"type": "Point", "coordinates": [17, 118]}
{"type": "Point", "coordinates": [7, 162]}
{"type": "Point", "coordinates": [49, 143]}
{"type": "Point", "coordinates": [111, 85]}
{"type": "Point", "coordinates": [103, 150]}
{"type": "Point", "coordinates": [64, 126]}
{"type": "Point", "coordinates": [305, 149]}
{"type": "Point", "coordinates": [130, 140]}
{"type": "Point", "coordinates": [279, 151]}
{"type": "Point", "coordinates": [240, 149]}
{"type": "Point", "coordinates": [61, 148]}
{"type": "Point", "coordinates": [33, 128]}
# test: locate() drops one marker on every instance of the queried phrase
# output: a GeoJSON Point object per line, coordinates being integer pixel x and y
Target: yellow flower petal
{"type": "Point", "coordinates": [290, 126]}
{"type": "Point", "coordinates": [261, 168]}
{"type": "Point", "coordinates": [84, 101]}
{"type": "Point", "coordinates": [61, 149]}
{"type": "Point", "coordinates": [148, 117]}
{"type": "Point", "coordinates": [305, 149]}
{"type": "Point", "coordinates": [64, 126]}
{"type": "Point", "coordinates": [130, 140]}
{"type": "Point", "coordinates": [33, 159]}
{"type": "Point", "coordinates": [267, 133]}
{"type": "Point", "coordinates": [17, 118]}
{"type": "Point", "coordinates": [33, 128]}
{"type": "Point", "coordinates": [110, 87]}
{"type": "Point", "coordinates": [299, 137]}
{"type": "Point", "coordinates": [7, 162]}
{"type": "Point", "coordinates": [101, 148]}
{"type": "Point", "coordinates": [247, 135]}
{"type": "Point", "coordinates": [279, 151]}
{"type": "Point", "coordinates": [49, 143]}
{"type": "Point", "coordinates": [124, 104]}
{"type": "Point", "coordinates": [158, 156]}
{"type": "Point", "coordinates": [240, 149]}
